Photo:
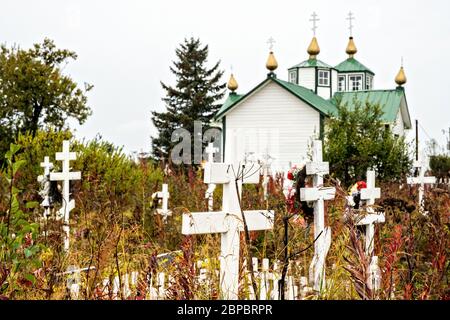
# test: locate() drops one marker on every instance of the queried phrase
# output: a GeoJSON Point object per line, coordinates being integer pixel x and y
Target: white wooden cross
{"type": "Point", "coordinates": [164, 195]}
{"type": "Point", "coordinates": [65, 176]}
{"type": "Point", "coordinates": [209, 194]}
{"type": "Point", "coordinates": [44, 180]}
{"type": "Point", "coordinates": [421, 180]}
{"type": "Point", "coordinates": [369, 194]}
{"type": "Point", "coordinates": [229, 221]}
{"type": "Point", "coordinates": [318, 194]}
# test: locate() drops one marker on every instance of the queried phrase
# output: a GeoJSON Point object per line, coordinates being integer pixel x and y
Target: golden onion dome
{"type": "Point", "coordinates": [271, 63]}
{"type": "Point", "coordinates": [313, 49]}
{"type": "Point", "coordinates": [351, 48]}
{"type": "Point", "coordinates": [232, 83]}
{"type": "Point", "coordinates": [400, 79]}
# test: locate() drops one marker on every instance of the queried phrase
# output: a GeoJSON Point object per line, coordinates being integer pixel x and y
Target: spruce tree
{"type": "Point", "coordinates": [194, 97]}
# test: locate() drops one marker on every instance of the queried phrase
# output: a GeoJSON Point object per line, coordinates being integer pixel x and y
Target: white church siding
{"type": "Point", "coordinates": [334, 81]}
{"type": "Point", "coordinates": [324, 92]}
{"type": "Point", "coordinates": [268, 116]}
{"type": "Point", "coordinates": [307, 78]}
{"type": "Point", "coordinates": [398, 127]}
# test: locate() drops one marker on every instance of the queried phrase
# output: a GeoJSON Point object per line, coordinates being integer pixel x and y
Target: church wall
{"type": "Point", "coordinates": [399, 127]}
{"type": "Point", "coordinates": [334, 81]}
{"type": "Point", "coordinates": [271, 120]}
{"type": "Point", "coordinates": [307, 78]}
{"type": "Point", "coordinates": [324, 92]}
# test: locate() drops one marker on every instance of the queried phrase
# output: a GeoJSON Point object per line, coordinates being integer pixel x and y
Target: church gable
{"type": "Point", "coordinates": [271, 120]}
{"type": "Point", "coordinates": [321, 105]}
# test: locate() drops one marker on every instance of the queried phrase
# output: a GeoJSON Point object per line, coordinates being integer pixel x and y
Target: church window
{"type": "Point", "coordinates": [324, 78]}
{"type": "Point", "coordinates": [355, 82]}
{"type": "Point", "coordinates": [341, 83]}
{"type": "Point", "coordinates": [293, 76]}
{"type": "Point", "coordinates": [369, 80]}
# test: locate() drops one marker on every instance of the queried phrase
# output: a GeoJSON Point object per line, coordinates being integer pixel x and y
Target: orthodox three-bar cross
{"type": "Point", "coordinates": [314, 20]}
{"type": "Point", "coordinates": [421, 180]}
{"type": "Point", "coordinates": [350, 25]}
{"type": "Point", "coordinates": [369, 194]}
{"type": "Point", "coordinates": [318, 194]}
{"type": "Point", "coordinates": [229, 222]}
{"type": "Point", "coordinates": [66, 176]}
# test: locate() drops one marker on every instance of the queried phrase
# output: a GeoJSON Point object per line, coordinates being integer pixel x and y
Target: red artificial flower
{"type": "Point", "coordinates": [290, 175]}
{"type": "Point", "coordinates": [361, 185]}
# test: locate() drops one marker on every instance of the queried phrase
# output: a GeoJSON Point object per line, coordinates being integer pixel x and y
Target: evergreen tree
{"type": "Point", "coordinates": [194, 97]}
{"type": "Point", "coordinates": [34, 92]}
{"type": "Point", "coordinates": [357, 139]}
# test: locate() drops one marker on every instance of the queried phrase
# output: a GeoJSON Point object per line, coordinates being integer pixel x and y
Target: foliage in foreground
{"type": "Point", "coordinates": [114, 229]}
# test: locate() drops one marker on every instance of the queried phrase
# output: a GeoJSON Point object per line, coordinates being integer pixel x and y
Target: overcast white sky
{"type": "Point", "coordinates": [126, 47]}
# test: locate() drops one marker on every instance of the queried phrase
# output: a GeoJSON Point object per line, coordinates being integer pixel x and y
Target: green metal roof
{"type": "Point", "coordinates": [311, 63]}
{"type": "Point", "coordinates": [308, 96]}
{"type": "Point", "coordinates": [389, 101]}
{"type": "Point", "coordinates": [352, 65]}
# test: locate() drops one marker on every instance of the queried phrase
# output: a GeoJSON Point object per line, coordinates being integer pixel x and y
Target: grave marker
{"type": "Point", "coordinates": [229, 221]}
{"type": "Point", "coordinates": [44, 181]}
{"type": "Point", "coordinates": [66, 176]}
{"type": "Point", "coordinates": [421, 180]}
{"type": "Point", "coordinates": [318, 194]}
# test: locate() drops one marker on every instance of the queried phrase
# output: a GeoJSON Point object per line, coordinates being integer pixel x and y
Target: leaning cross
{"type": "Point", "coordinates": [229, 221]}
{"type": "Point", "coordinates": [65, 176]}
{"type": "Point", "coordinates": [209, 194]}
{"type": "Point", "coordinates": [421, 180]}
{"type": "Point", "coordinates": [44, 180]}
{"type": "Point", "coordinates": [164, 195]}
{"type": "Point", "coordinates": [318, 194]}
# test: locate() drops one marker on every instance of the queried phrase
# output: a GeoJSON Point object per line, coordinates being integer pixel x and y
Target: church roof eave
{"type": "Point", "coordinates": [352, 65]}
{"type": "Point", "coordinates": [390, 102]}
{"type": "Point", "coordinates": [312, 63]}
{"type": "Point", "coordinates": [323, 106]}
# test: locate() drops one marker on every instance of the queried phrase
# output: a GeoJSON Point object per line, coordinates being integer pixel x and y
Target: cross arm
{"type": "Point", "coordinates": [370, 218]}
{"type": "Point", "coordinates": [58, 176]}
{"type": "Point", "coordinates": [314, 194]}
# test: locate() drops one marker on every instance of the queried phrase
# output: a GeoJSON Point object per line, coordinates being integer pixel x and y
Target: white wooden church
{"type": "Point", "coordinates": [280, 118]}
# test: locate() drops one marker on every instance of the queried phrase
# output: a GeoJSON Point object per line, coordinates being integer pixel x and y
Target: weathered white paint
{"type": "Point", "coordinates": [66, 176]}
{"type": "Point", "coordinates": [271, 120]}
{"type": "Point", "coordinates": [318, 194]}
